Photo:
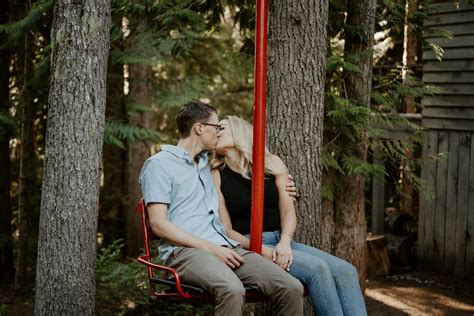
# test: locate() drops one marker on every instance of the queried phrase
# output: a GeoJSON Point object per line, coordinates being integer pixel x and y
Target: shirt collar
{"type": "Point", "coordinates": [183, 153]}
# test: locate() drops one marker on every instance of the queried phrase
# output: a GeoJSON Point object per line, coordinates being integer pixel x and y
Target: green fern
{"type": "Point", "coordinates": [138, 108]}
{"type": "Point", "coordinates": [178, 92]}
{"type": "Point", "coordinates": [118, 134]}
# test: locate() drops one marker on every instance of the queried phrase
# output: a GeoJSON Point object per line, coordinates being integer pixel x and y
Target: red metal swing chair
{"type": "Point", "coordinates": [176, 289]}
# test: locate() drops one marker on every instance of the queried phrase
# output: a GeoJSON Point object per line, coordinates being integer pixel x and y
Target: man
{"type": "Point", "coordinates": [182, 203]}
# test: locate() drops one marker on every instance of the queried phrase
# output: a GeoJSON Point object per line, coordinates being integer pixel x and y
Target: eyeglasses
{"type": "Point", "coordinates": [216, 126]}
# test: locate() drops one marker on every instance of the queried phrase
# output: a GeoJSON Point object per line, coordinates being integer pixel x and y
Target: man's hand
{"type": "Point", "coordinates": [267, 252]}
{"type": "Point", "coordinates": [291, 188]}
{"type": "Point", "coordinates": [227, 255]}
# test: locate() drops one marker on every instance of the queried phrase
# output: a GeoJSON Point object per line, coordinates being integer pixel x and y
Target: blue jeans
{"type": "Point", "coordinates": [333, 283]}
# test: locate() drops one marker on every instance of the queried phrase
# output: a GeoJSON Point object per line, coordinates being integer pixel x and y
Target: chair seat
{"type": "Point", "coordinates": [172, 286]}
{"type": "Point", "coordinates": [251, 293]}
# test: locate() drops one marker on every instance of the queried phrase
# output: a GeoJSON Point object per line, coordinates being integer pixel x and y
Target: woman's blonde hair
{"type": "Point", "coordinates": [242, 133]}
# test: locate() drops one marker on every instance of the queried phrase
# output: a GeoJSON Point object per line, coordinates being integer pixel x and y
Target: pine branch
{"type": "Point", "coordinates": [17, 29]}
{"type": "Point", "coordinates": [118, 133]}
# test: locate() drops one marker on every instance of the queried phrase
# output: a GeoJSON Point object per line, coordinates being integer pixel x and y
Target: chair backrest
{"type": "Point", "coordinates": [146, 227]}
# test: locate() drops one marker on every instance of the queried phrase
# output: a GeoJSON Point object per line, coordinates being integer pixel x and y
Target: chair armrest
{"type": "Point", "coordinates": [146, 261]}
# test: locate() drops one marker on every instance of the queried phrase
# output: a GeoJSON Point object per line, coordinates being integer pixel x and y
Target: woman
{"type": "Point", "coordinates": [333, 283]}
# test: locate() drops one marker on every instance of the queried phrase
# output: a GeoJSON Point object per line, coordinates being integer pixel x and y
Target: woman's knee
{"type": "Point", "coordinates": [321, 269]}
{"type": "Point", "coordinates": [346, 270]}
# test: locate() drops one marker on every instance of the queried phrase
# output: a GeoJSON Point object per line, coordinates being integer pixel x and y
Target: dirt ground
{"type": "Point", "coordinates": [419, 293]}
{"type": "Point", "coordinates": [414, 293]}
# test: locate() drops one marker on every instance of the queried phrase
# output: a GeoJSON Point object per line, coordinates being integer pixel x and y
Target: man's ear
{"type": "Point", "coordinates": [198, 129]}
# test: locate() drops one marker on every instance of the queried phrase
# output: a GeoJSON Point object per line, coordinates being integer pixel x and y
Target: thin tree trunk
{"type": "Point", "coordinates": [137, 153]}
{"type": "Point", "coordinates": [409, 61]}
{"type": "Point", "coordinates": [27, 195]}
{"type": "Point", "coordinates": [349, 210]}
{"type": "Point", "coordinates": [65, 275]}
{"type": "Point", "coordinates": [295, 94]}
{"type": "Point", "coordinates": [140, 92]}
{"type": "Point", "coordinates": [6, 242]}
{"type": "Point", "coordinates": [409, 50]}
{"type": "Point", "coordinates": [328, 222]}
{"type": "Point", "coordinates": [114, 192]}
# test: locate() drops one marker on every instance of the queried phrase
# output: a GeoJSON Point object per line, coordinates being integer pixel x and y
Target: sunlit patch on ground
{"type": "Point", "coordinates": [406, 297]}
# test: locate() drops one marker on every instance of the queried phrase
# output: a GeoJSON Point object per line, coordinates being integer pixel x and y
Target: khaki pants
{"type": "Point", "coordinates": [201, 268]}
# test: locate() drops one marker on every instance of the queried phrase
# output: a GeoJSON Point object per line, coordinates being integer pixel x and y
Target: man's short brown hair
{"type": "Point", "coordinates": [191, 113]}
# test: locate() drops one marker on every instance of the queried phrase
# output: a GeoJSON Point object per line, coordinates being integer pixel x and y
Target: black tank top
{"type": "Point", "coordinates": [237, 192]}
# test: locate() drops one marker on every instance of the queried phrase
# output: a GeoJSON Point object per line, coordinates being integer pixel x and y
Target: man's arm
{"type": "Point", "coordinates": [226, 221]}
{"type": "Point", "coordinates": [162, 227]}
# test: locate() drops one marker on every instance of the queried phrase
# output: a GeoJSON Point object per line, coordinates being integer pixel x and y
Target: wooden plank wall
{"type": "Point", "coordinates": [453, 109]}
{"type": "Point", "coordinates": [446, 223]}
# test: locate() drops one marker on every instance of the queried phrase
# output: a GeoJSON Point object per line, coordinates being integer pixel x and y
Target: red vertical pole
{"type": "Point", "coordinates": [256, 223]}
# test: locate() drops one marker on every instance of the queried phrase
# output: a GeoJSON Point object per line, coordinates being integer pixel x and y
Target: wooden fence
{"type": "Point", "coordinates": [446, 223]}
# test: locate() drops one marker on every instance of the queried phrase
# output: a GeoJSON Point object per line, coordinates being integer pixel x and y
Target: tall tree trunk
{"type": "Point", "coordinates": [114, 191]}
{"type": "Point", "coordinates": [349, 210]}
{"type": "Point", "coordinates": [140, 92]}
{"type": "Point", "coordinates": [27, 195]}
{"type": "Point", "coordinates": [6, 243]}
{"type": "Point", "coordinates": [409, 62]}
{"type": "Point", "coordinates": [295, 94]}
{"type": "Point", "coordinates": [65, 275]}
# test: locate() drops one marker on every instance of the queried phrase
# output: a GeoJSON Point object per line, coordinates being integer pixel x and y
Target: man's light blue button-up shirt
{"type": "Point", "coordinates": [171, 177]}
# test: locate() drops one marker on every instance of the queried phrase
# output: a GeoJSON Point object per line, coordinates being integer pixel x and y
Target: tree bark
{"type": "Point", "coordinates": [114, 192]}
{"type": "Point", "coordinates": [349, 210]}
{"type": "Point", "coordinates": [295, 97]}
{"type": "Point", "coordinates": [65, 275]}
{"type": "Point", "coordinates": [141, 76]}
{"type": "Point", "coordinates": [6, 242]}
{"type": "Point", "coordinates": [28, 190]}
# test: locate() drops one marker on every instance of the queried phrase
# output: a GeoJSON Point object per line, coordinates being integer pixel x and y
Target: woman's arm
{"type": "Point", "coordinates": [225, 219]}
{"type": "Point", "coordinates": [287, 215]}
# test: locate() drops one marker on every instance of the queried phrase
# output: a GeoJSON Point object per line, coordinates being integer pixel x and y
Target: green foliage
{"type": "Point", "coordinates": [193, 52]}
{"type": "Point", "coordinates": [138, 108]}
{"type": "Point", "coordinates": [158, 30]}
{"type": "Point", "coordinates": [119, 282]}
{"type": "Point", "coordinates": [118, 133]}
{"type": "Point", "coordinates": [41, 71]}
{"type": "Point", "coordinates": [178, 92]}
{"type": "Point", "coordinates": [8, 125]}
{"type": "Point", "coordinates": [123, 289]}
{"type": "Point", "coordinates": [347, 123]}
{"type": "Point", "coordinates": [3, 309]}
{"type": "Point", "coordinates": [17, 29]}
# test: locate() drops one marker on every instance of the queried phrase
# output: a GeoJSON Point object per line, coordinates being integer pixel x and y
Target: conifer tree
{"type": "Point", "coordinates": [6, 248]}
{"type": "Point", "coordinates": [296, 79]}
{"type": "Point", "coordinates": [349, 210]}
{"type": "Point", "coordinates": [65, 275]}
{"type": "Point", "coordinates": [113, 192]}
{"type": "Point", "coordinates": [28, 166]}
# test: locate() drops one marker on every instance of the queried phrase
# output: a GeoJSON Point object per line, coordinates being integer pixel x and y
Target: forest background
{"type": "Point", "coordinates": [163, 54]}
